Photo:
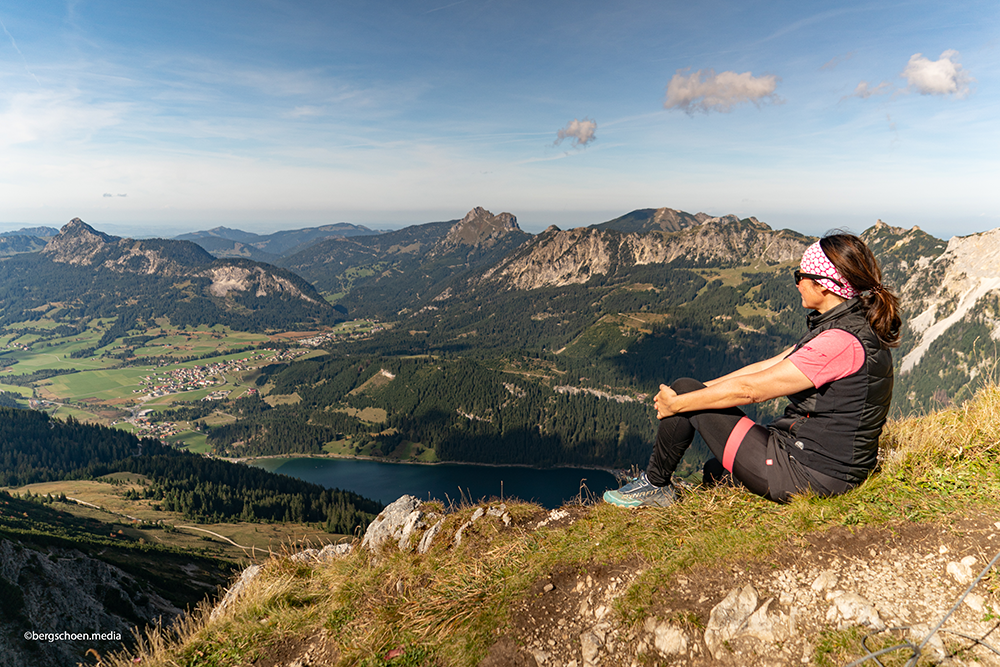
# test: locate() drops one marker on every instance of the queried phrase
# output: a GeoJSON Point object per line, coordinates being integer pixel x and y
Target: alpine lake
{"type": "Point", "coordinates": [455, 482]}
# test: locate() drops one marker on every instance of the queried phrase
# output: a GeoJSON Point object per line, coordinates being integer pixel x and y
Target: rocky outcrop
{"type": "Point", "coordinates": [479, 228]}
{"type": "Point", "coordinates": [254, 278]}
{"type": "Point", "coordinates": [772, 618]}
{"type": "Point", "coordinates": [65, 591]}
{"type": "Point", "coordinates": [77, 243]}
{"type": "Point", "coordinates": [556, 258]}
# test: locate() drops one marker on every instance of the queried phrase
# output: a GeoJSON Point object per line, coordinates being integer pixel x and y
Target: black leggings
{"type": "Point", "coordinates": [743, 447]}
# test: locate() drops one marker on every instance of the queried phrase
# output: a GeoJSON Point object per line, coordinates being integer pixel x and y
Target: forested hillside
{"type": "Point", "coordinates": [491, 344]}
{"type": "Point", "coordinates": [723, 302]}
{"type": "Point", "coordinates": [35, 448]}
{"type": "Point", "coordinates": [396, 272]}
{"type": "Point", "coordinates": [225, 242]}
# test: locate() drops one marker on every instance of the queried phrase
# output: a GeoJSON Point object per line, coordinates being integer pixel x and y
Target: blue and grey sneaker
{"type": "Point", "coordinates": [640, 492]}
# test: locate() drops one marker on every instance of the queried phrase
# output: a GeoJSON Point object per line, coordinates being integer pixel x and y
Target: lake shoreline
{"type": "Point", "coordinates": [251, 460]}
{"type": "Point", "coordinates": [385, 481]}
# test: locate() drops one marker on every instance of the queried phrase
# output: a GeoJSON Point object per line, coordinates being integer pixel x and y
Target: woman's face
{"type": "Point", "coordinates": [813, 295]}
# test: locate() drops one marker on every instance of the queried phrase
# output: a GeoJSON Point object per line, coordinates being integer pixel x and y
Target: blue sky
{"type": "Point", "coordinates": [150, 117]}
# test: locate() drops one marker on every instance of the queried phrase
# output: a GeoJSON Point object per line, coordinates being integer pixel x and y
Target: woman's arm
{"type": "Point", "coordinates": [779, 379]}
{"type": "Point", "coordinates": [753, 368]}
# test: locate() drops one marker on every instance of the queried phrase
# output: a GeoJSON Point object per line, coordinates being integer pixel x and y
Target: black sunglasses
{"type": "Point", "coordinates": [811, 276]}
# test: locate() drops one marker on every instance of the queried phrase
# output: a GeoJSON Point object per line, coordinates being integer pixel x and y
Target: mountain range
{"type": "Point", "coordinates": [720, 286]}
{"type": "Point", "coordinates": [226, 242]}
{"type": "Point", "coordinates": [555, 289]}
{"type": "Point", "coordinates": [81, 272]}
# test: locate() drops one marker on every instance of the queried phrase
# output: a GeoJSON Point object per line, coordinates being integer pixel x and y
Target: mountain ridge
{"type": "Point", "coordinates": [270, 248]}
{"type": "Point", "coordinates": [86, 270]}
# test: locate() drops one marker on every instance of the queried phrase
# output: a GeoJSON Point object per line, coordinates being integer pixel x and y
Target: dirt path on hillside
{"type": "Point", "coordinates": [907, 573]}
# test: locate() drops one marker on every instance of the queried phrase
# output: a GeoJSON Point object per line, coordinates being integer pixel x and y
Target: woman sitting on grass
{"type": "Point", "coordinates": [838, 379]}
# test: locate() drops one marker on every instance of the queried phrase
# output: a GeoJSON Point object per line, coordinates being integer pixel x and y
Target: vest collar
{"type": "Point", "coordinates": [816, 319]}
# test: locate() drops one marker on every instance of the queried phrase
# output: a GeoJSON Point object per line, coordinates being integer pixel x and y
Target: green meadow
{"type": "Point", "coordinates": [103, 391]}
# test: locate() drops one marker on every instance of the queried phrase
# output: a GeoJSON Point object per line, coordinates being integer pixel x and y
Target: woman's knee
{"type": "Point", "coordinates": [686, 385]}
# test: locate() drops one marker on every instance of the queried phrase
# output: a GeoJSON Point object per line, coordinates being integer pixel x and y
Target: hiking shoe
{"type": "Point", "coordinates": [640, 492]}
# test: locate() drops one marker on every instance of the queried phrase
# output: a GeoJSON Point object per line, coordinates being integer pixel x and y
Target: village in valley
{"type": "Point", "coordinates": [192, 378]}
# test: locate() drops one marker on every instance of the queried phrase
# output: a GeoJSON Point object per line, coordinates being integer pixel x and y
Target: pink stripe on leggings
{"type": "Point", "coordinates": [734, 441]}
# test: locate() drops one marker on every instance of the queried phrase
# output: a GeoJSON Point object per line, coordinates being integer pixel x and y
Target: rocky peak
{"type": "Point", "coordinates": [885, 228]}
{"type": "Point", "coordinates": [654, 220]}
{"type": "Point", "coordinates": [77, 243]}
{"type": "Point", "coordinates": [479, 227]}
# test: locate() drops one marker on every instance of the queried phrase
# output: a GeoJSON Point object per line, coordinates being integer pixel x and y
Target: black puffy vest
{"type": "Point", "coordinates": [834, 429]}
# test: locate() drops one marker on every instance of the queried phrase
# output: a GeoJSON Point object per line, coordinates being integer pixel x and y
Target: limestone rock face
{"type": "Point", "coordinates": [65, 591]}
{"type": "Point", "coordinates": [391, 525]}
{"type": "Point", "coordinates": [852, 609]}
{"type": "Point", "coordinates": [234, 591]}
{"type": "Point", "coordinates": [77, 243]}
{"type": "Point", "coordinates": [243, 278]}
{"type": "Point", "coordinates": [479, 227]}
{"type": "Point", "coordinates": [668, 639]}
{"type": "Point", "coordinates": [952, 287]}
{"type": "Point", "coordinates": [729, 617]}
{"type": "Point", "coordinates": [557, 258]}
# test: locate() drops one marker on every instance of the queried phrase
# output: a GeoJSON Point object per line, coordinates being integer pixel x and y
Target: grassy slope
{"type": "Point", "coordinates": [449, 606]}
{"type": "Point", "coordinates": [181, 573]}
{"type": "Point", "coordinates": [102, 501]}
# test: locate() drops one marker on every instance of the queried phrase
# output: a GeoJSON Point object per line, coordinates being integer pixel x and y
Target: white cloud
{"type": "Point", "coordinates": [580, 131]}
{"type": "Point", "coordinates": [864, 90]}
{"type": "Point", "coordinates": [937, 77]}
{"type": "Point", "coordinates": [706, 91]}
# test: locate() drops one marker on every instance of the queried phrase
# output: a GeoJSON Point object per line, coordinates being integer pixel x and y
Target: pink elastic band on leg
{"type": "Point", "coordinates": [734, 441]}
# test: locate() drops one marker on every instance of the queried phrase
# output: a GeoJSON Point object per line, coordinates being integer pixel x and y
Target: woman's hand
{"type": "Point", "coordinates": [663, 401]}
{"type": "Point", "coordinates": [780, 379]}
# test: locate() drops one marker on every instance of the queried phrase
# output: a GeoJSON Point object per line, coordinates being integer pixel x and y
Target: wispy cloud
{"type": "Point", "coordinates": [23, 59]}
{"type": "Point", "coordinates": [864, 90]}
{"type": "Point", "coordinates": [706, 91]}
{"type": "Point", "coordinates": [580, 131]}
{"type": "Point", "coordinates": [306, 111]}
{"type": "Point", "coordinates": [943, 76]}
{"type": "Point", "coordinates": [437, 9]}
{"type": "Point", "coordinates": [48, 116]}
{"type": "Point", "coordinates": [811, 20]}
{"type": "Point", "coordinates": [833, 62]}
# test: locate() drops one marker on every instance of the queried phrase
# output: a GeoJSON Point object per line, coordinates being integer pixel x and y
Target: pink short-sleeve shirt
{"type": "Point", "coordinates": [833, 354]}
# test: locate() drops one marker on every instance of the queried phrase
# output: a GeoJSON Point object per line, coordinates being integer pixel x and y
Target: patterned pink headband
{"type": "Point", "coordinates": [815, 261]}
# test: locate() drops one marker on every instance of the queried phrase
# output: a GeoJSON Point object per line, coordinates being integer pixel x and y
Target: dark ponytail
{"type": "Point", "coordinates": [856, 263]}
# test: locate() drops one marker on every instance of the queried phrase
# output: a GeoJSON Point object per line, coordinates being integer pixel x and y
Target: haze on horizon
{"type": "Point", "coordinates": [164, 117]}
